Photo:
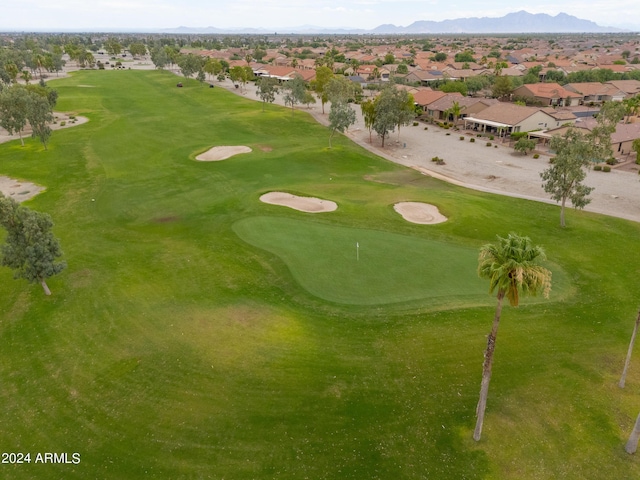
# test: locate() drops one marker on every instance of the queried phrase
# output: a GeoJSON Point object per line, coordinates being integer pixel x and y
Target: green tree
{"type": "Point", "coordinates": [213, 67]}
{"type": "Point", "coordinates": [14, 105]}
{"type": "Point", "coordinates": [393, 108]}
{"type": "Point", "coordinates": [476, 83]}
{"type": "Point", "coordinates": [340, 89]}
{"type": "Point", "coordinates": [512, 268]}
{"type": "Point", "coordinates": [440, 57]}
{"type": "Point", "coordinates": [402, 69]}
{"type": "Point", "coordinates": [190, 64]}
{"type": "Point", "coordinates": [30, 248]}
{"type": "Point", "coordinates": [524, 145]}
{"type": "Point", "coordinates": [455, 111]}
{"type": "Point", "coordinates": [267, 89]}
{"type": "Point", "coordinates": [636, 148]}
{"type": "Point", "coordinates": [323, 76]}
{"type": "Point", "coordinates": [452, 87]}
{"type": "Point", "coordinates": [294, 92]}
{"type": "Point", "coordinates": [113, 46]}
{"type": "Point", "coordinates": [40, 115]}
{"type": "Point", "coordinates": [563, 179]}
{"type": "Point", "coordinates": [138, 49]}
{"type": "Point", "coordinates": [368, 108]}
{"type": "Point", "coordinates": [341, 117]}
{"type": "Point", "coordinates": [159, 57]}
{"type": "Point", "coordinates": [610, 114]}
{"type": "Point", "coordinates": [631, 107]}
{"type": "Point", "coordinates": [466, 56]}
{"type": "Point", "coordinates": [502, 87]}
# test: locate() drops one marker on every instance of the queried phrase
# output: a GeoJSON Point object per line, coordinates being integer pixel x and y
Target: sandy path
{"type": "Point", "coordinates": [474, 165]}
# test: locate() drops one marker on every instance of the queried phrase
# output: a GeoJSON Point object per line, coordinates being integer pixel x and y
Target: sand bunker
{"type": "Point", "coordinates": [304, 204]}
{"type": "Point", "coordinates": [19, 191]}
{"type": "Point", "coordinates": [416, 212]}
{"type": "Point", "coordinates": [221, 153]}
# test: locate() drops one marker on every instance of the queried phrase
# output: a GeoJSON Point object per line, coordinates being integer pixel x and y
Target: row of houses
{"type": "Point", "coordinates": [490, 116]}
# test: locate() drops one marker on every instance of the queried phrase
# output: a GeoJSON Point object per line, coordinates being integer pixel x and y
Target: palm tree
{"type": "Point", "coordinates": [512, 268]}
{"type": "Point", "coordinates": [628, 360]}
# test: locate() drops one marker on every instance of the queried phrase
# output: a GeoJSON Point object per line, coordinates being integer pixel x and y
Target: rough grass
{"type": "Point", "coordinates": [172, 348]}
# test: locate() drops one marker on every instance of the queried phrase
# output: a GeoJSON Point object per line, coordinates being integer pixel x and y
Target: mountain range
{"type": "Point", "coordinates": [517, 22]}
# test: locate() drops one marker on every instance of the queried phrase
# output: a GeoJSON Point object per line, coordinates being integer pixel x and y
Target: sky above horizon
{"type": "Point", "coordinates": [78, 15]}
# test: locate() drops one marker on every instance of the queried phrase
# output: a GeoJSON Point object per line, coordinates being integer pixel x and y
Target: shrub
{"type": "Point", "coordinates": [415, 124]}
{"type": "Point", "coordinates": [448, 133]}
{"type": "Point", "coordinates": [611, 161]}
{"type": "Point", "coordinates": [435, 159]}
{"type": "Point", "coordinates": [472, 140]}
{"type": "Point", "coordinates": [535, 155]}
{"type": "Point", "coordinates": [426, 128]}
{"type": "Point", "coordinates": [488, 144]}
{"type": "Point", "coordinates": [462, 138]}
{"type": "Point", "coordinates": [479, 135]}
{"type": "Point", "coordinates": [63, 123]}
{"type": "Point", "coordinates": [606, 168]}
{"type": "Point", "coordinates": [552, 160]}
{"type": "Point", "coordinates": [491, 137]}
{"type": "Point", "coordinates": [597, 168]}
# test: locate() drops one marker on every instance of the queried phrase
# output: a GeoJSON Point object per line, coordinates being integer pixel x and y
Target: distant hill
{"type": "Point", "coordinates": [518, 22]}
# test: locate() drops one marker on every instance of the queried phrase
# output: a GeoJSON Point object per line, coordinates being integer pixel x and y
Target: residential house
{"type": "Point", "coordinates": [440, 108]}
{"type": "Point", "coordinates": [424, 98]}
{"type": "Point", "coordinates": [596, 92]}
{"type": "Point", "coordinates": [424, 77]}
{"type": "Point", "coordinates": [551, 94]}
{"type": "Point", "coordinates": [622, 139]}
{"type": "Point", "coordinates": [505, 118]}
{"type": "Point", "coordinates": [631, 88]}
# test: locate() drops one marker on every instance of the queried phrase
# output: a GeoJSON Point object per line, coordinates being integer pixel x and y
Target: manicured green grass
{"type": "Point", "coordinates": [199, 333]}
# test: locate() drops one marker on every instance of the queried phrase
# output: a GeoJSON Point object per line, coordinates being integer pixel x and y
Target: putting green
{"type": "Point", "coordinates": [368, 267]}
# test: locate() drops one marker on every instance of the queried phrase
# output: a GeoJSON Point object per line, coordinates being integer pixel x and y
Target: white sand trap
{"type": "Point", "coordinates": [416, 212]}
{"type": "Point", "coordinates": [221, 153]}
{"type": "Point", "coordinates": [304, 204]}
{"type": "Point", "coordinates": [19, 191]}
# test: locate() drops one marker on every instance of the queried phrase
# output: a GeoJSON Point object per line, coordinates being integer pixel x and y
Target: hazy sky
{"type": "Point", "coordinates": [275, 15]}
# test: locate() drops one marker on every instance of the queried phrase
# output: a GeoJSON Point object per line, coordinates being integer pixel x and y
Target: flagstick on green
{"type": "Point", "coordinates": [357, 252]}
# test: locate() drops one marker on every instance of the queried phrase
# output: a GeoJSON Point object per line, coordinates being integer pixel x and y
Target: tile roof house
{"type": "Point", "coordinates": [468, 106]}
{"type": "Point", "coordinates": [508, 118]}
{"type": "Point", "coordinates": [629, 87]}
{"type": "Point", "coordinates": [596, 92]}
{"type": "Point", "coordinates": [424, 77]}
{"type": "Point", "coordinates": [425, 97]}
{"type": "Point", "coordinates": [548, 93]}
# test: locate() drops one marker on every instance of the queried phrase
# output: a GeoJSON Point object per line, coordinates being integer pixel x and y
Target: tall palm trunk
{"type": "Point", "coordinates": [486, 369]}
{"type": "Point", "coordinates": [632, 443]}
{"type": "Point", "coordinates": [628, 360]}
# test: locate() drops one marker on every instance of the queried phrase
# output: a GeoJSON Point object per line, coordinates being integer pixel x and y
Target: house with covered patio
{"type": "Point", "coordinates": [503, 119]}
